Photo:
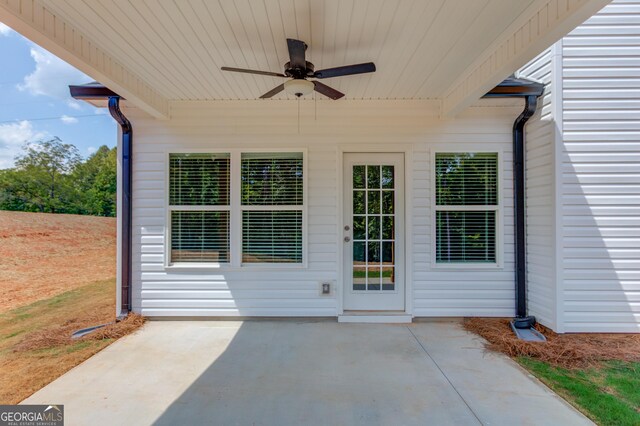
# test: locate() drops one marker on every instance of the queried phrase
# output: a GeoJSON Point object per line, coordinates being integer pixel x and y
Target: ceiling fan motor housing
{"type": "Point", "coordinates": [297, 72]}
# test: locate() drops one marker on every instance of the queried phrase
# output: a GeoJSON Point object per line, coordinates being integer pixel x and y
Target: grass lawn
{"type": "Point", "coordinates": [598, 373]}
{"type": "Point", "coordinates": [609, 394]}
{"type": "Point", "coordinates": [35, 347]}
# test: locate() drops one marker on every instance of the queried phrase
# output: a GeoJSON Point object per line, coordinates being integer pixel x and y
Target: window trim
{"type": "Point", "coordinates": [499, 208]}
{"type": "Point", "coordinates": [235, 211]}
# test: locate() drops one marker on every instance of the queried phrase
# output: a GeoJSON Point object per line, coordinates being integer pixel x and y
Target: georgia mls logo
{"type": "Point", "coordinates": [31, 415]}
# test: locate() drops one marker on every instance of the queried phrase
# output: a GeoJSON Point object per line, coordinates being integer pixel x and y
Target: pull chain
{"type": "Point", "coordinates": [298, 115]}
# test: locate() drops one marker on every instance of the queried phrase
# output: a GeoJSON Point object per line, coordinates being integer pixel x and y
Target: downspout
{"type": "Point", "coordinates": [529, 90]}
{"type": "Point", "coordinates": [521, 320]}
{"type": "Point", "coordinates": [125, 230]}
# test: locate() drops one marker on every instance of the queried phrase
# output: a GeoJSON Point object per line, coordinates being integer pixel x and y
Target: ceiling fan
{"type": "Point", "coordinates": [298, 69]}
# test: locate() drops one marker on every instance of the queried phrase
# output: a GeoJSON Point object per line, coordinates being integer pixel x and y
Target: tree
{"type": "Point", "coordinates": [95, 183]}
{"type": "Point", "coordinates": [40, 180]}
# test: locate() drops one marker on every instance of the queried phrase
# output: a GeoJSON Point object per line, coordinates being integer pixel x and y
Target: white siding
{"type": "Point", "coordinates": [540, 176]}
{"type": "Point", "coordinates": [601, 172]}
{"type": "Point", "coordinates": [324, 128]}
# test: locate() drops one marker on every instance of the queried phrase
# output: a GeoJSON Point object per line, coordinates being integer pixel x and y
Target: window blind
{"type": "Point", "coordinates": [271, 236]}
{"type": "Point", "coordinates": [199, 179]}
{"type": "Point", "coordinates": [466, 179]}
{"type": "Point", "coordinates": [272, 179]}
{"type": "Point", "coordinates": [200, 236]}
{"type": "Point", "coordinates": [269, 206]}
{"type": "Point", "coordinates": [466, 236]}
{"type": "Point", "coordinates": [466, 207]}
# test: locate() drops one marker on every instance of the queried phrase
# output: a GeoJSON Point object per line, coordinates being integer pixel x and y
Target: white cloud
{"type": "Point", "coordinates": [68, 120]}
{"type": "Point", "coordinates": [73, 104]}
{"type": "Point", "coordinates": [4, 30]}
{"type": "Point", "coordinates": [52, 76]}
{"type": "Point", "coordinates": [13, 136]}
{"type": "Point", "coordinates": [91, 150]}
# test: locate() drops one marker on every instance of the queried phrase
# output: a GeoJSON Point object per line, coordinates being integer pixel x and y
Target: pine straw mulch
{"type": "Point", "coordinates": [562, 350]}
{"type": "Point", "coordinates": [61, 335]}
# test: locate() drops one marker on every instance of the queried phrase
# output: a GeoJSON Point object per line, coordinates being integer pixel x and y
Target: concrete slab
{"type": "Point", "coordinates": [302, 372]}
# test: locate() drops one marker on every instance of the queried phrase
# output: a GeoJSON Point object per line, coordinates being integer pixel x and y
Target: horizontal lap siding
{"type": "Point", "coordinates": [446, 292]}
{"type": "Point", "coordinates": [601, 172]}
{"type": "Point", "coordinates": [159, 291]}
{"type": "Point", "coordinates": [540, 139]}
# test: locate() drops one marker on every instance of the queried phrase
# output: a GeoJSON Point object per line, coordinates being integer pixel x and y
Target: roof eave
{"type": "Point", "coordinates": [516, 88]}
{"type": "Point", "coordinates": [91, 91]}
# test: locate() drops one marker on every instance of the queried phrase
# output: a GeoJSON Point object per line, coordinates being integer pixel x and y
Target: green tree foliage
{"type": "Point", "coordinates": [50, 176]}
{"type": "Point", "coordinates": [95, 183]}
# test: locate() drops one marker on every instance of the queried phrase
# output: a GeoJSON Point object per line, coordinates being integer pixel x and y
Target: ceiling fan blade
{"type": "Point", "coordinates": [273, 91]}
{"type": "Point", "coordinates": [273, 74]}
{"type": "Point", "coordinates": [346, 70]}
{"type": "Point", "coordinates": [327, 91]}
{"type": "Point", "coordinates": [296, 53]}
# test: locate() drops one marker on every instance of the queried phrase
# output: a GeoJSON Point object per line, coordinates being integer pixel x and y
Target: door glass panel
{"type": "Point", "coordinates": [358, 202]}
{"type": "Point", "coordinates": [373, 228]}
{"type": "Point", "coordinates": [358, 253]}
{"type": "Point", "coordinates": [373, 205]}
{"type": "Point", "coordinates": [373, 177]}
{"type": "Point", "coordinates": [387, 202]}
{"type": "Point", "coordinates": [387, 228]}
{"type": "Point", "coordinates": [359, 228]}
{"type": "Point", "coordinates": [387, 252]}
{"type": "Point", "coordinates": [358, 176]}
{"type": "Point", "coordinates": [359, 278]}
{"type": "Point", "coordinates": [373, 253]}
{"type": "Point", "coordinates": [387, 177]}
{"type": "Point", "coordinates": [373, 278]}
{"type": "Point", "coordinates": [388, 278]}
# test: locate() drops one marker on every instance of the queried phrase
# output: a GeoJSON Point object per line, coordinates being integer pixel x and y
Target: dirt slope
{"type": "Point", "coordinates": [42, 255]}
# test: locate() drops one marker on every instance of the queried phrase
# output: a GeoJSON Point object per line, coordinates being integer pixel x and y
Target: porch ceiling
{"type": "Point", "coordinates": [156, 51]}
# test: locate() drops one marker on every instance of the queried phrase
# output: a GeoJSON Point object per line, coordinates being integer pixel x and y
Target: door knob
{"type": "Point", "coordinates": [347, 239]}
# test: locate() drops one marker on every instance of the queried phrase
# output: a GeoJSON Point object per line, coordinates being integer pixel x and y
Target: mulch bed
{"type": "Point", "coordinates": [61, 335]}
{"type": "Point", "coordinates": [562, 350]}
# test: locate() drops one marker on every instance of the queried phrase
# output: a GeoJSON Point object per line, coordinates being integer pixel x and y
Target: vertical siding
{"type": "Point", "coordinates": [364, 126]}
{"type": "Point", "coordinates": [601, 171]}
{"type": "Point", "coordinates": [540, 140]}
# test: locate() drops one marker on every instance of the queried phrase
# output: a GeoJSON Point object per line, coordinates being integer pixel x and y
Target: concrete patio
{"type": "Point", "coordinates": [303, 373]}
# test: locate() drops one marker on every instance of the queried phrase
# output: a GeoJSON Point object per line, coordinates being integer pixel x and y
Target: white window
{"type": "Point", "coordinates": [272, 208]}
{"type": "Point", "coordinates": [467, 208]}
{"type": "Point", "coordinates": [199, 204]}
{"type": "Point", "coordinates": [263, 193]}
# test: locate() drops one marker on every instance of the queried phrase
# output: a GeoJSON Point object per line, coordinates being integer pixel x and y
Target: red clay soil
{"type": "Point", "coordinates": [70, 251]}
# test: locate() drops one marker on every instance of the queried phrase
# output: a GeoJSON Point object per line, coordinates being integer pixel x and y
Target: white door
{"type": "Point", "coordinates": [373, 232]}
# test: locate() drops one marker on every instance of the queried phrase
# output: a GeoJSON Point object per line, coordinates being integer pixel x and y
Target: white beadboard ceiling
{"type": "Point", "coordinates": [155, 52]}
{"type": "Point", "coordinates": [419, 46]}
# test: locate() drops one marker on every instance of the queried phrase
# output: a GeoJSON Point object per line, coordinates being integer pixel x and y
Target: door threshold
{"type": "Point", "coordinates": [375, 317]}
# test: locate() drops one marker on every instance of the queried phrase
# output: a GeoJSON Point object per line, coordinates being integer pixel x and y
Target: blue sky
{"type": "Point", "coordinates": [35, 102]}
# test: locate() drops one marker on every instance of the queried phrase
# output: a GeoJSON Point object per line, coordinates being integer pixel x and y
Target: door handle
{"type": "Point", "coordinates": [347, 239]}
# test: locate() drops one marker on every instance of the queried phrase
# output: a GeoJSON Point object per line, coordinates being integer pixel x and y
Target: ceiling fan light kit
{"type": "Point", "coordinates": [298, 87]}
{"type": "Point", "coordinates": [298, 70]}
